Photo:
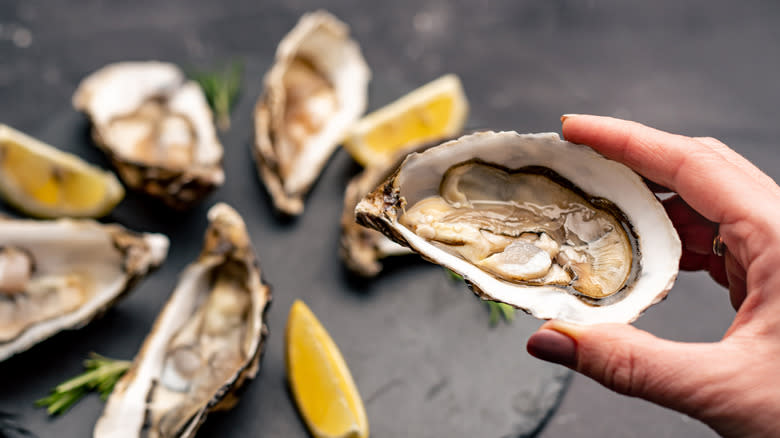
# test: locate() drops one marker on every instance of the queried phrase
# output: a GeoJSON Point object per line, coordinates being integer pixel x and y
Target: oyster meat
{"type": "Point", "coordinates": [205, 344]}
{"type": "Point", "coordinates": [58, 275]}
{"type": "Point", "coordinates": [542, 224]}
{"type": "Point", "coordinates": [156, 127]}
{"type": "Point", "coordinates": [314, 92]}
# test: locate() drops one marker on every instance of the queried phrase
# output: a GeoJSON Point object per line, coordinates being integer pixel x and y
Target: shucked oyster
{"type": "Point", "coordinates": [205, 343]}
{"type": "Point", "coordinates": [157, 129]}
{"type": "Point", "coordinates": [58, 275]}
{"type": "Point", "coordinates": [542, 224]}
{"type": "Point", "coordinates": [314, 92]}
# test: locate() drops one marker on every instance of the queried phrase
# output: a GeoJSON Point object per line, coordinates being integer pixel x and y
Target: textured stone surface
{"type": "Point", "coordinates": [419, 346]}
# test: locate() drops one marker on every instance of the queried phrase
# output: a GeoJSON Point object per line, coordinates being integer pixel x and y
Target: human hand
{"type": "Point", "coordinates": [732, 385]}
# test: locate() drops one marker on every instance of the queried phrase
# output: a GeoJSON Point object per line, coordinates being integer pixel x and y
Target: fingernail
{"type": "Point", "coordinates": [567, 328]}
{"type": "Point", "coordinates": [553, 347]}
{"type": "Point", "coordinates": [566, 116]}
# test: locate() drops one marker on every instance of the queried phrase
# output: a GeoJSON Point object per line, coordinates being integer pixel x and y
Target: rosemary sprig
{"type": "Point", "coordinates": [10, 428]}
{"type": "Point", "coordinates": [497, 310]}
{"type": "Point", "coordinates": [101, 375]}
{"type": "Point", "coordinates": [221, 88]}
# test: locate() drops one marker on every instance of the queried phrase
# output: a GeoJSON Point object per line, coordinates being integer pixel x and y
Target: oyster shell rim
{"type": "Point", "coordinates": [362, 254]}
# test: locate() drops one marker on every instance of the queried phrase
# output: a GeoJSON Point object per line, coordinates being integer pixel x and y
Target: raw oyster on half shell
{"type": "Point", "coordinates": [156, 127]}
{"type": "Point", "coordinates": [542, 224]}
{"type": "Point", "coordinates": [205, 344]}
{"type": "Point", "coordinates": [58, 275]}
{"type": "Point", "coordinates": [314, 92]}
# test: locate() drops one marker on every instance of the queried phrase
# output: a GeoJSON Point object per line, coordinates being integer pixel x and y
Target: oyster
{"type": "Point", "coordinates": [314, 92]}
{"type": "Point", "coordinates": [205, 343]}
{"type": "Point", "coordinates": [57, 275]}
{"type": "Point", "coordinates": [157, 129]}
{"type": "Point", "coordinates": [542, 224]}
{"type": "Point", "coordinates": [362, 248]}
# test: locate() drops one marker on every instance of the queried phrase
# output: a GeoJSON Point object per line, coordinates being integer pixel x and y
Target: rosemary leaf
{"type": "Point", "coordinates": [497, 310]}
{"type": "Point", "coordinates": [494, 314]}
{"type": "Point", "coordinates": [221, 88]}
{"type": "Point", "coordinates": [507, 311]}
{"type": "Point", "coordinates": [500, 310]}
{"type": "Point", "coordinates": [453, 276]}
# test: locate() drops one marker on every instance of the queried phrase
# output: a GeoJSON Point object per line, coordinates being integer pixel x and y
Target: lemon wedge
{"type": "Point", "coordinates": [46, 182]}
{"type": "Point", "coordinates": [435, 111]}
{"type": "Point", "coordinates": [320, 381]}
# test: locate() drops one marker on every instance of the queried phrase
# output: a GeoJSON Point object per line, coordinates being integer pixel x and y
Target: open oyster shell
{"type": "Point", "coordinates": [58, 275]}
{"type": "Point", "coordinates": [361, 248]}
{"type": "Point", "coordinates": [542, 224]}
{"type": "Point", "coordinates": [204, 345]}
{"type": "Point", "coordinates": [314, 92]}
{"type": "Point", "coordinates": [156, 127]}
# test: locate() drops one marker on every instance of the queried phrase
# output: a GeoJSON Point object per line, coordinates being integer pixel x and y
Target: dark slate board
{"type": "Point", "coordinates": [419, 345]}
{"type": "Point", "coordinates": [701, 67]}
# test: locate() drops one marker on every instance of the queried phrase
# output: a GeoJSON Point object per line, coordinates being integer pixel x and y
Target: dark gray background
{"type": "Point", "coordinates": [425, 360]}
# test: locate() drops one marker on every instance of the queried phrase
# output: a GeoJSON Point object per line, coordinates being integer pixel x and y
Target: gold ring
{"type": "Point", "coordinates": [718, 246]}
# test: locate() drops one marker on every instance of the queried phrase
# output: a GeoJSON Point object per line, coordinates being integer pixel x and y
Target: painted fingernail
{"type": "Point", "coordinates": [553, 347]}
{"type": "Point", "coordinates": [566, 116]}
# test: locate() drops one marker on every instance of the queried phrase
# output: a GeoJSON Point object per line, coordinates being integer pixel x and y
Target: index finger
{"type": "Point", "coordinates": [713, 180]}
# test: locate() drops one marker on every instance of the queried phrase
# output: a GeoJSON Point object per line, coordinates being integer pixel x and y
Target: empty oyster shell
{"type": "Point", "coordinates": [205, 344]}
{"type": "Point", "coordinates": [157, 129]}
{"type": "Point", "coordinates": [314, 92]}
{"type": "Point", "coordinates": [542, 224]}
{"type": "Point", "coordinates": [58, 275]}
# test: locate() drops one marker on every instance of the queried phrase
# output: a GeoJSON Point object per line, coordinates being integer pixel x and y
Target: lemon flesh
{"type": "Point", "coordinates": [434, 111]}
{"type": "Point", "coordinates": [320, 381]}
{"type": "Point", "coordinates": [45, 182]}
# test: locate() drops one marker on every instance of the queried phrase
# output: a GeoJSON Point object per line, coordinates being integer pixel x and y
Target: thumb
{"type": "Point", "coordinates": [681, 376]}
